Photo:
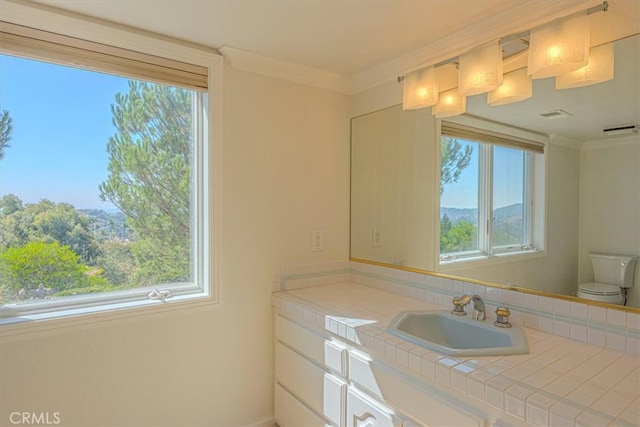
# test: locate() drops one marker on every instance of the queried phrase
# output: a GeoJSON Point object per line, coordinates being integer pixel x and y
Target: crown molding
{"type": "Point", "coordinates": [522, 17]}
{"type": "Point", "coordinates": [271, 67]}
{"type": "Point", "coordinates": [611, 142]}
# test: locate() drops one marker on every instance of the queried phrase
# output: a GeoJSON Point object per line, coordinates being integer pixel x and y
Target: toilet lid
{"type": "Point", "coordinates": [599, 289]}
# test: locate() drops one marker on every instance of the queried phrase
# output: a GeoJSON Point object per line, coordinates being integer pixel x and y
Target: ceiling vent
{"type": "Point", "coordinates": [556, 114]}
{"type": "Point", "coordinates": [622, 130]}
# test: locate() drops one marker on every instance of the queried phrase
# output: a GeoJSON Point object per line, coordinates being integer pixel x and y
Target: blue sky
{"type": "Point", "coordinates": [463, 193]}
{"type": "Point", "coordinates": [507, 163]}
{"type": "Point", "coordinates": [61, 125]}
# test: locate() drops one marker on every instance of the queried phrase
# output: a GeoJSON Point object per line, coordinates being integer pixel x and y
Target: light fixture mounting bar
{"type": "Point", "coordinates": [599, 8]}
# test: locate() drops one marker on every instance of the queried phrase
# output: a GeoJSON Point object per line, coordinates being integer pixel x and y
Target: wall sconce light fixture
{"type": "Point", "coordinates": [420, 89]}
{"type": "Point", "coordinates": [598, 70]}
{"type": "Point", "coordinates": [558, 47]}
{"type": "Point", "coordinates": [516, 86]}
{"type": "Point", "coordinates": [450, 103]}
{"type": "Point", "coordinates": [480, 70]}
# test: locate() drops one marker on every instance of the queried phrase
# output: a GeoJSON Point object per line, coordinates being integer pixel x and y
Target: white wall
{"type": "Point", "coordinates": [286, 173]}
{"type": "Point", "coordinates": [393, 186]}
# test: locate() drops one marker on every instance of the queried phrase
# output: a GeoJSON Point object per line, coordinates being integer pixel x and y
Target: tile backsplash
{"type": "Point", "coordinates": [614, 329]}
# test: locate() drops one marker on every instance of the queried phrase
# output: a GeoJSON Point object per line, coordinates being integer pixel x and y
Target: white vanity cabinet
{"type": "Point", "coordinates": [310, 376]}
{"type": "Point", "coordinates": [322, 381]}
{"type": "Point", "coordinates": [318, 389]}
{"type": "Point", "coordinates": [291, 412]}
{"type": "Point", "coordinates": [363, 411]}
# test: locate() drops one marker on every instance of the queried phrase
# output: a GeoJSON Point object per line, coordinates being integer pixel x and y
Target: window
{"type": "Point", "coordinates": [105, 172]}
{"type": "Point", "coordinates": [490, 204]}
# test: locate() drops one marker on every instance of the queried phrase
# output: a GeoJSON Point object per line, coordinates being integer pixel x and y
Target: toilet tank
{"type": "Point", "coordinates": [614, 269]}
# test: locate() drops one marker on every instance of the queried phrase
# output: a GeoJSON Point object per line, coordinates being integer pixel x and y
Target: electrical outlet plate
{"type": "Point", "coordinates": [317, 238]}
{"type": "Point", "coordinates": [375, 237]}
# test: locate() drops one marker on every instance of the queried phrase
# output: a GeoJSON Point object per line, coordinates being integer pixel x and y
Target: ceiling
{"type": "Point", "coordinates": [340, 36]}
{"type": "Point", "coordinates": [372, 40]}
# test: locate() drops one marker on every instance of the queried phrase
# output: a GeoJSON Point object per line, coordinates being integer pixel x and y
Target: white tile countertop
{"type": "Point", "coordinates": [560, 382]}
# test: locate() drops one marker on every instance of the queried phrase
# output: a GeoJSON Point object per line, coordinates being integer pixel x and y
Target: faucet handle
{"type": "Point", "coordinates": [502, 314]}
{"type": "Point", "coordinates": [458, 307]}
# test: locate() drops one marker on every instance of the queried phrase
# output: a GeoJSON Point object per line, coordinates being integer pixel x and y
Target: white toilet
{"type": "Point", "coordinates": [613, 274]}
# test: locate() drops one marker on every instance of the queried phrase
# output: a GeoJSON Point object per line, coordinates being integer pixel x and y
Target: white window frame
{"type": "Point", "coordinates": [17, 319]}
{"type": "Point", "coordinates": [534, 197]}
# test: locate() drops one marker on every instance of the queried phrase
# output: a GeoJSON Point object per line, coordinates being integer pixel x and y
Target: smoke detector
{"type": "Point", "coordinates": [622, 130]}
{"type": "Point", "coordinates": [556, 114]}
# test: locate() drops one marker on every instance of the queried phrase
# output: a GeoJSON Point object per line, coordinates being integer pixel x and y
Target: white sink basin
{"type": "Point", "coordinates": [441, 331]}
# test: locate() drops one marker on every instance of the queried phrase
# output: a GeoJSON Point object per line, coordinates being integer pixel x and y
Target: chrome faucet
{"type": "Point", "coordinates": [479, 310]}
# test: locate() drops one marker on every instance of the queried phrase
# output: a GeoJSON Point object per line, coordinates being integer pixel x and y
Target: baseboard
{"type": "Point", "coordinates": [265, 422]}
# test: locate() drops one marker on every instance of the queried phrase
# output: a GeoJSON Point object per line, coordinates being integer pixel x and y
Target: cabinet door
{"type": "Point", "coordinates": [365, 412]}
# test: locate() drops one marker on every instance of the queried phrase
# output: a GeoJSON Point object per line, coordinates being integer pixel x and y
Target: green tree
{"type": "Point", "coordinates": [459, 237]}
{"type": "Point", "coordinates": [11, 233]}
{"type": "Point", "coordinates": [445, 227]}
{"type": "Point", "coordinates": [455, 158]}
{"type": "Point", "coordinates": [6, 127]}
{"type": "Point", "coordinates": [9, 204]}
{"type": "Point", "coordinates": [54, 266]}
{"type": "Point", "coordinates": [150, 176]}
{"type": "Point", "coordinates": [118, 263]}
{"type": "Point", "coordinates": [62, 223]}
{"type": "Point", "coordinates": [47, 222]}
{"type": "Point", "coordinates": [14, 230]}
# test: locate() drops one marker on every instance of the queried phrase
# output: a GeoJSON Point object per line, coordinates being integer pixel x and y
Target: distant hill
{"type": "Point", "coordinates": [507, 226]}
{"type": "Point", "coordinates": [111, 224]}
{"type": "Point", "coordinates": [460, 214]}
{"type": "Point", "coordinates": [503, 214]}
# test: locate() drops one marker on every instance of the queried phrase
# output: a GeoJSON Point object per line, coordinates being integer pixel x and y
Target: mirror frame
{"type": "Point", "coordinates": [497, 285]}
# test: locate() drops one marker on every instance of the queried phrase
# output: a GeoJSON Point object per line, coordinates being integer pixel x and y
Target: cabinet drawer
{"type": "Point", "coordinates": [290, 412]}
{"type": "Point", "coordinates": [365, 412]}
{"type": "Point", "coordinates": [312, 345]}
{"type": "Point", "coordinates": [318, 389]}
{"type": "Point", "coordinates": [421, 402]}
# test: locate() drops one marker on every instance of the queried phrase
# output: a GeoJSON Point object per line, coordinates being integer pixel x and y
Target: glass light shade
{"type": "Point", "coordinates": [480, 70]}
{"type": "Point", "coordinates": [450, 103]}
{"type": "Point", "coordinates": [599, 69]}
{"type": "Point", "coordinates": [516, 86]}
{"type": "Point", "coordinates": [559, 46]}
{"type": "Point", "coordinates": [420, 89]}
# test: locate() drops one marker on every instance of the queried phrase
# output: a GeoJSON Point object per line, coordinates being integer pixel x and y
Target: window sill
{"type": "Point", "coordinates": [36, 324]}
{"type": "Point", "coordinates": [481, 261]}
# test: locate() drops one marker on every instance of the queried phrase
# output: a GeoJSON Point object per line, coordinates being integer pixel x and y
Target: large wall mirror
{"type": "Point", "coordinates": [592, 182]}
